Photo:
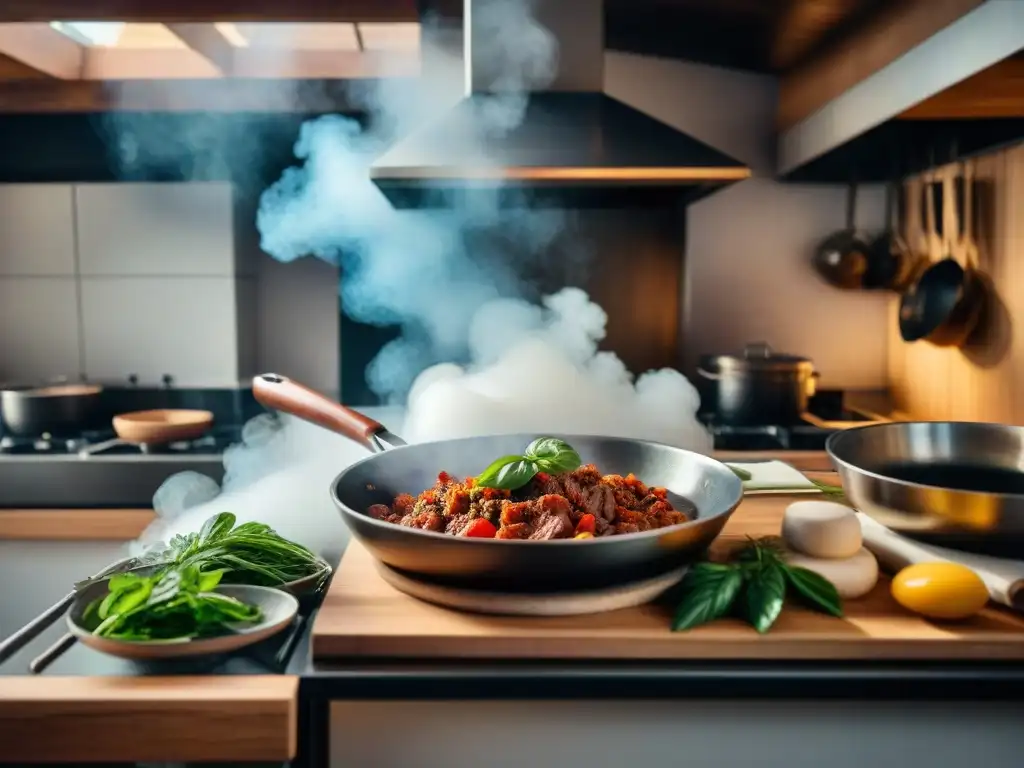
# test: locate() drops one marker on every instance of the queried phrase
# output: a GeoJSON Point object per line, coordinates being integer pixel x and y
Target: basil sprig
{"type": "Point", "coordinates": [756, 583]}
{"type": "Point", "coordinates": [545, 454]}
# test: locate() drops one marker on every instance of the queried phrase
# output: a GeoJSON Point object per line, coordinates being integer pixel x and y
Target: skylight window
{"type": "Point", "coordinates": [91, 33]}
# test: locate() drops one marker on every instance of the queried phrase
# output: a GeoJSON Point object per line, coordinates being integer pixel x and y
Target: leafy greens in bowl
{"type": "Point", "coordinates": [176, 611]}
{"type": "Point", "coordinates": [250, 553]}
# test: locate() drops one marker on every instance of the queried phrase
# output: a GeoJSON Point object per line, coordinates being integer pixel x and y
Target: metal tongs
{"type": "Point", "coordinates": [43, 621]}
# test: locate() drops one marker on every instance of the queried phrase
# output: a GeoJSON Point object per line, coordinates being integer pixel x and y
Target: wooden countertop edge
{"type": "Point", "coordinates": [74, 524]}
{"type": "Point", "coordinates": [609, 650]}
{"type": "Point", "coordinates": [140, 719]}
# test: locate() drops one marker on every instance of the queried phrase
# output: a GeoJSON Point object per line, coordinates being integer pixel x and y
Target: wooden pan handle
{"type": "Point", "coordinates": [283, 394]}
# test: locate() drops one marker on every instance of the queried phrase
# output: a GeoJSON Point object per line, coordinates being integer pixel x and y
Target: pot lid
{"type": "Point", "coordinates": [760, 357]}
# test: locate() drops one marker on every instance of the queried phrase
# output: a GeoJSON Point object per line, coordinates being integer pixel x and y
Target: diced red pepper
{"type": "Point", "coordinates": [480, 528]}
{"type": "Point", "coordinates": [587, 524]}
{"type": "Point", "coordinates": [542, 477]}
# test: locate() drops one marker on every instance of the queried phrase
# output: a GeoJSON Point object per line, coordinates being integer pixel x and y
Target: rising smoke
{"type": "Point", "coordinates": [531, 367]}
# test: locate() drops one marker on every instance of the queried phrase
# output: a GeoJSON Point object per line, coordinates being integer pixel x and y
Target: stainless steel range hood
{"type": "Point", "coordinates": [571, 133]}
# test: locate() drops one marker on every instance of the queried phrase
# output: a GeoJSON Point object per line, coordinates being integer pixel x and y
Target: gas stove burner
{"type": "Point", "coordinates": [44, 443]}
{"type": "Point", "coordinates": [89, 444]}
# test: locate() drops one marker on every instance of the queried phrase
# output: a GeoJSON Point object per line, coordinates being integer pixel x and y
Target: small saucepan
{"type": "Point", "coordinates": [554, 565]}
{"type": "Point", "coordinates": [759, 386]}
{"type": "Point", "coordinates": [55, 409]}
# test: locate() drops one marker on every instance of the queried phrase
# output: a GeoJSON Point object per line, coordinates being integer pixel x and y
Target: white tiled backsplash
{"type": "Point", "coordinates": [107, 280]}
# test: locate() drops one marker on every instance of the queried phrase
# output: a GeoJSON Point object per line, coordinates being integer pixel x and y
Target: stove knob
{"type": "Point", "coordinates": [168, 380]}
{"type": "Point", "coordinates": [133, 379]}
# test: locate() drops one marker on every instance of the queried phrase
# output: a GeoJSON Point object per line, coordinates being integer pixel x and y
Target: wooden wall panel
{"type": "Point", "coordinates": [980, 381]}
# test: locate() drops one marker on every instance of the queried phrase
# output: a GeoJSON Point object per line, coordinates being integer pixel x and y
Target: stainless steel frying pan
{"type": "Point", "coordinates": [536, 566]}
{"type": "Point", "coordinates": [958, 484]}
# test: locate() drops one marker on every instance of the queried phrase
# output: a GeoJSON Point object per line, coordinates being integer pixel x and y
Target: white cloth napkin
{"type": "Point", "coordinates": [772, 477]}
{"type": "Point", "coordinates": [1004, 578]}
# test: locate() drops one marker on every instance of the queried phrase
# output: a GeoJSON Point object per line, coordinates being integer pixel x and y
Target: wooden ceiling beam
{"type": "Point", "coordinates": [896, 30]}
{"type": "Point", "coordinates": [996, 92]}
{"type": "Point", "coordinates": [211, 95]}
{"type": "Point", "coordinates": [12, 69]}
{"type": "Point", "coordinates": [959, 51]}
{"type": "Point", "coordinates": [803, 25]}
{"type": "Point", "coordinates": [208, 10]}
{"type": "Point", "coordinates": [206, 40]}
{"type": "Point", "coordinates": [42, 48]}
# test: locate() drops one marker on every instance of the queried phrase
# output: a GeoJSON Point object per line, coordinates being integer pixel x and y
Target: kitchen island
{"type": "Point", "coordinates": [469, 713]}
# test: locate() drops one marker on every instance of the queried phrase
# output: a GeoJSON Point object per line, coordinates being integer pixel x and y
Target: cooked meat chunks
{"type": "Point", "coordinates": [577, 504]}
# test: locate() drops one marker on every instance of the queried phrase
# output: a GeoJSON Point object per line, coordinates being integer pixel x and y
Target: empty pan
{"type": "Point", "coordinates": [539, 566]}
{"type": "Point", "coordinates": [166, 425]}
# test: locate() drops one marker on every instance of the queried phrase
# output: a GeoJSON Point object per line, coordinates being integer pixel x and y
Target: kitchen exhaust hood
{"type": "Point", "coordinates": [570, 134]}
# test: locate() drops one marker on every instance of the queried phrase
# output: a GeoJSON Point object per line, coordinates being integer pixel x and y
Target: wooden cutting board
{"type": "Point", "coordinates": [362, 616]}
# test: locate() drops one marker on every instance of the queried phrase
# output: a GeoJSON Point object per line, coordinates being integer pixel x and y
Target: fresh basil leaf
{"type": "Point", "coordinates": [216, 527]}
{"type": "Point", "coordinates": [564, 462]}
{"type": "Point", "coordinates": [815, 589]}
{"type": "Point", "coordinates": [508, 473]}
{"type": "Point", "coordinates": [166, 587]}
{"type": "Point", "coordinates": [710, 593]}
{"type": "Point", "coordinates": [553, 455]}
{"type": "Point", "coordinates": [705, 567]}
{"type": "Point", "coordinates": [491, 473]}
{"type": "Point", "coordinates": [129, 599]}
{"type": "Point", "coordinates": [122, 581]}
{"type": "Point", "coordinates": [515, 475]}
{"type": "Point", "coordinates": [209, 580]}
{"type": "Point", "coordinates": [764, 595]}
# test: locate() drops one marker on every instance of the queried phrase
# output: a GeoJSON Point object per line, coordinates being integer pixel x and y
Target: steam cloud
{"type": "Point", "coordinates": [522, 367]}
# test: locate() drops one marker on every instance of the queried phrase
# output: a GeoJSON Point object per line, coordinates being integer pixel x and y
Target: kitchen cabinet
{"type": "Point", "coordinates": [40, 328]}
{"type": "Point", "coordinates": [151, 326]}
{"type": "Point", "coordinates": [36, 230]}
{"type": "Point", "coordinates": [66, 563]}
{"type": "Point", "coordinates": [155, 229]}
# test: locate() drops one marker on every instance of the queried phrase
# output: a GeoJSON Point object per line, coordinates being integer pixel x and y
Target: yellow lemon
{"type": "Point", "coordinates": [940, 590]}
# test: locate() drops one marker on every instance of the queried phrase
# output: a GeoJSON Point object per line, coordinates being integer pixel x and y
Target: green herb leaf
{"type": "Point", "coordinates": [764, 595]}
{"type": "Point", "coordinates": [166, 605]}
{"type": "Point", "coordinates": [167, 587]}
{"type": "Point", "coordinates": [489, 475]}
{"type": "Point", "coordinates": [548, 454]}
{"type": "Point", "coordinates": [742, 474]}
{"type": "Point", "coordinates": [209, 580]}
{"type": "Point", "coordinates": [216, 527]}
{"type": "Point", "coordinates": [553, 455]}
{"type": "Point", "coordinates": [712, 588]}
{"type": "Point", "coordinates": [816, 590]}
{"type": "Point", "coordinates": [835, 492]}
{"type": "Point", "coordinates": [515, 475]}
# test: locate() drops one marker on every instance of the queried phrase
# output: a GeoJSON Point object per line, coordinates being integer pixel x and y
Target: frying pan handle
{"type": "Point", "coordinates": [283, 394]}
